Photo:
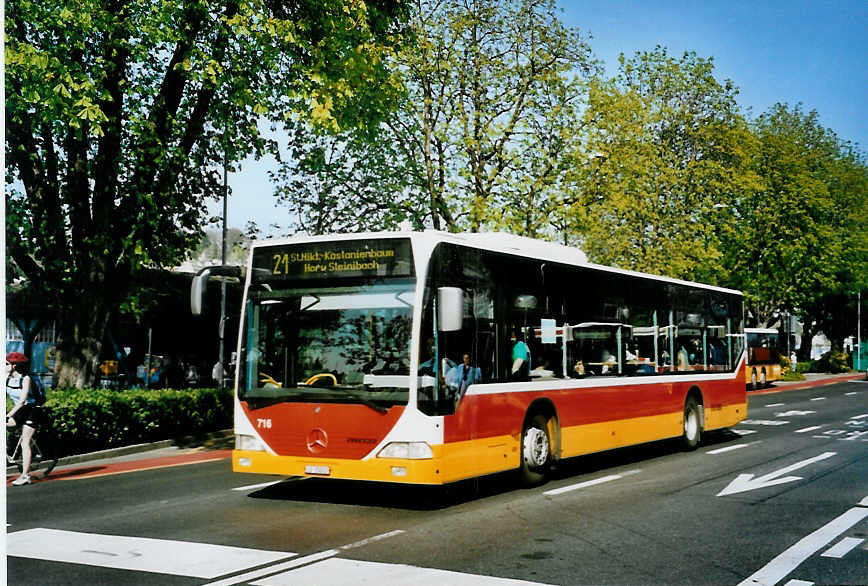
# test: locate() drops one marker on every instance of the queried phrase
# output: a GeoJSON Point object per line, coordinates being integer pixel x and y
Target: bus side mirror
{"type": "Point", "coordinates": [197, 293]}
{"type": "Point", "coordinates": [200, 284]}
{"type": "Point", "coordinates": [450, 309]}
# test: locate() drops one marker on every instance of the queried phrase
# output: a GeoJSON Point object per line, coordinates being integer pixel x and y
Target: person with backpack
{"type": "Point", "coordinates": [28, 397]}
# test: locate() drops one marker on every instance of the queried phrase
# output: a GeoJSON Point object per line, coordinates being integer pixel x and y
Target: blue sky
{"type": "Point", "coordinates": [796, 51]}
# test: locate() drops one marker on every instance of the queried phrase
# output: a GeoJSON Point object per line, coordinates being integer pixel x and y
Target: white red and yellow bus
{"type": "Point", "coordinates": [351, 349]}
{"type": "Point", "coordinates": [763, 357]}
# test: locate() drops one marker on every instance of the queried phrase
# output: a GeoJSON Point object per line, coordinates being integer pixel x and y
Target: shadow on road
{"type": "Point", "coordinates": [424, 498]}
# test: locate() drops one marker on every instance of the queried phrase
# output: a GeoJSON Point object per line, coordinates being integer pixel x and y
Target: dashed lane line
{"type": "Point", "coordinates": [777, 569]}
{"type": "Point", "coordinates": [842, 548]}
{"type": "Point", "coordinates": [595, 481]}
{"type": "Point", "coordinates": [731, 448]}
{"type": "Point", "coordinates": [257, 486]}
{"type": "Point", "coordinates": [807, 429]}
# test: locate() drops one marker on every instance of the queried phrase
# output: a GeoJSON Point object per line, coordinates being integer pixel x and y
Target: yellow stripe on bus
{"type": "Point", "coordinates": [478, 457]}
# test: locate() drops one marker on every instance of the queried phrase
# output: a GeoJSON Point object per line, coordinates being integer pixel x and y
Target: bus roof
{"type": "Point", "coordinates": [497, 242]}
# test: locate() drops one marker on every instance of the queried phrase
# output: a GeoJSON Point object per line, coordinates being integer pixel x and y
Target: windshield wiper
{"type": "Point", "coordinates": [362, 400]}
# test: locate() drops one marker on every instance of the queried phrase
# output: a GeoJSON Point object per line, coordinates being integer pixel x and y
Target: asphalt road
{"type": "Point", "coordinates": [781, 499]}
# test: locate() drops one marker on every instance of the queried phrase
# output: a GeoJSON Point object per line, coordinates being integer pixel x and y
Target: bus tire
{"type": "Point", "coordinates": [692, 426]}
{"type": "Point", "coordinates": [536, 451]}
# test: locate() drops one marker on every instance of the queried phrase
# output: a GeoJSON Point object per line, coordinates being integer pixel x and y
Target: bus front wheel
{"type": "Point", "coordinates": [536, 451]}
{"type": "Point", "coordinates": [692, 424]}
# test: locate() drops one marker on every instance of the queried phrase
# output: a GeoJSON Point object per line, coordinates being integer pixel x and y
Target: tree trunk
{"type": "Point", "coordinates": [79, 343]}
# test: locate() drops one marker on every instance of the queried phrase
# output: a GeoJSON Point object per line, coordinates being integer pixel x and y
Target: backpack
{"type": "Point", "coordinates": [37, 390]}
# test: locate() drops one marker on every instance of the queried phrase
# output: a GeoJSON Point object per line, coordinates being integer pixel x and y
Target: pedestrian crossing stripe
{"type": "Point", "coordinates": [208, 561]}
{"type": "Point", "coordinates": [343, 572]}
{"type": "Point", "coordinates": [179, 558]}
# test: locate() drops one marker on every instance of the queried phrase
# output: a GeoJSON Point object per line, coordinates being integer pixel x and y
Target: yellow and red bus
{"type": "Point", "coordinates": [428, 358]}
{"type": "Point", "coordinates": [763, 357]}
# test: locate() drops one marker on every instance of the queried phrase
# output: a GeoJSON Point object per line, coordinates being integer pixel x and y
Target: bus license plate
{"type": "Point", "coordinates": [321, 470]}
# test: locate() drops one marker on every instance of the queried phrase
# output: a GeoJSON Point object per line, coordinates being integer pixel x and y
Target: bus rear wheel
{"type": "Point", "coordinates": [692, 424]}
{"type": "Point", "coordinates": [536, 451]}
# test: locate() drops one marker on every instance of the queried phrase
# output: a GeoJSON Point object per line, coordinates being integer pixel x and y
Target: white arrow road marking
{"type": "Point", "coordinates": [746, 482]}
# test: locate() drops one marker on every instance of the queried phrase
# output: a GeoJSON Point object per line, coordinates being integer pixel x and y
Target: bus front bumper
{"type": "Point", "coordinates": [374, 469]}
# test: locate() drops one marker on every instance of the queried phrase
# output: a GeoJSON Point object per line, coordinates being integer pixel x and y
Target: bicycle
{"type": "Point", "coordinates": [45, 460]}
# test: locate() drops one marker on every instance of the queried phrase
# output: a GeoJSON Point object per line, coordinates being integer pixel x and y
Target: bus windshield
{"type": "Point", "coordinates": [343, 345]}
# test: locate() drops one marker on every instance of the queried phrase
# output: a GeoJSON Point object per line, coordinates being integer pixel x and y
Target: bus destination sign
{"type": "Point", "coordinates": [389, 257]}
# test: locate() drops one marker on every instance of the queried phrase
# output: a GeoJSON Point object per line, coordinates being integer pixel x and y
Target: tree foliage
{"type": "Point", "coordinates": [120, 114]}
{"type": "Point", "coordinates": [492, 91]}
{"type": "Point", "coordinates": [801, 244]}
{"type": "Point", "coordinates": [670, 154]}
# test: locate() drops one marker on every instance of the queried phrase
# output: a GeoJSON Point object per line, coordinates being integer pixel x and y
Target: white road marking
{"type": "Point", "coordinates": [343, 572]}
{"type": "Point", "coordinates": [588, 483]}
{"type": "Point", "coordinates": [743, 432]}
{"type": "Point", "coordinates": [778, 568]}
{"type": "Point", "coordinates": [291, 564]}
{"type": "Point", "coordinates": [763, 422]}
{"type": "Point", "coordinates": [799, 583]}
{"type": "Point", "coordinates": [371, 539]}
{"type": "Point", "coordinates": [298, 562]}
{"type": "Point", "coordinates": [793, 413]}
{"type": "Point", "coordinates": [258, 486]}
{"type": "Point", "coordinates": [776, 405]}
{"type": "Point", "coordinates": [807, 429]}
{"type": "Point", "coordinates": [863, 416]}
{"type": "Point", "coordinates": [746, 482]}
{"type": "Point", "coordinates": [818, 399]}
{"type": "Point", "coordinates": [179, 558]}
{"type": "Point", "coordinates": [731, 448]}
{"type": "Point", "coordinates": [842, 548]}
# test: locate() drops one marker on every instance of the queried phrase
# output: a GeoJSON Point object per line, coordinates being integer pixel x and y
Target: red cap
{"type": "Point", "coordinates": [14, 357]}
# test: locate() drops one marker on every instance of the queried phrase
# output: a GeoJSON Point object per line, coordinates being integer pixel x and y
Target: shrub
{"type": "Point", "coordinates": [81, 421]}
{"type": "Point", "coordinates": [834, 361]}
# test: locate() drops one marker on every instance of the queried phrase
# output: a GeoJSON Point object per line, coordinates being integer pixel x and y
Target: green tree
{"type": "Point", "coordinates": [487, 84]}
{"type": "Point", "coordinates": [673, 153]}
{"type": "Point", "coordinates": [119, 115]}
{"type": "Point", "coordinates": [802, 243]}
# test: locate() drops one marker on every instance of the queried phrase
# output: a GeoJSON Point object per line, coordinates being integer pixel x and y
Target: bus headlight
{"type": "Point", "coordinates": [248, 443]}
{"type": "Point", "coordinates": [407, 451]}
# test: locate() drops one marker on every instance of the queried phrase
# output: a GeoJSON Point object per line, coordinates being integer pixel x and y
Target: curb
{"type": "Point", "coordinates": [187, 441]}
{"type": "Point", "coordinates": [820, 382]}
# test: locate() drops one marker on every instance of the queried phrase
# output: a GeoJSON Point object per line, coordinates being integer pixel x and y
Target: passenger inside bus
{"type": "Point", "coordinates": [462, 376]}
{"type": "Point", "coordinates": [520, 358]}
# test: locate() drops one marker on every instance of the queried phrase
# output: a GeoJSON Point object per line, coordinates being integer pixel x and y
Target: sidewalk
{"type": "Point", "coordinates": [811, 380]}
{"type": "Point", "coordinates": [214, 446]}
